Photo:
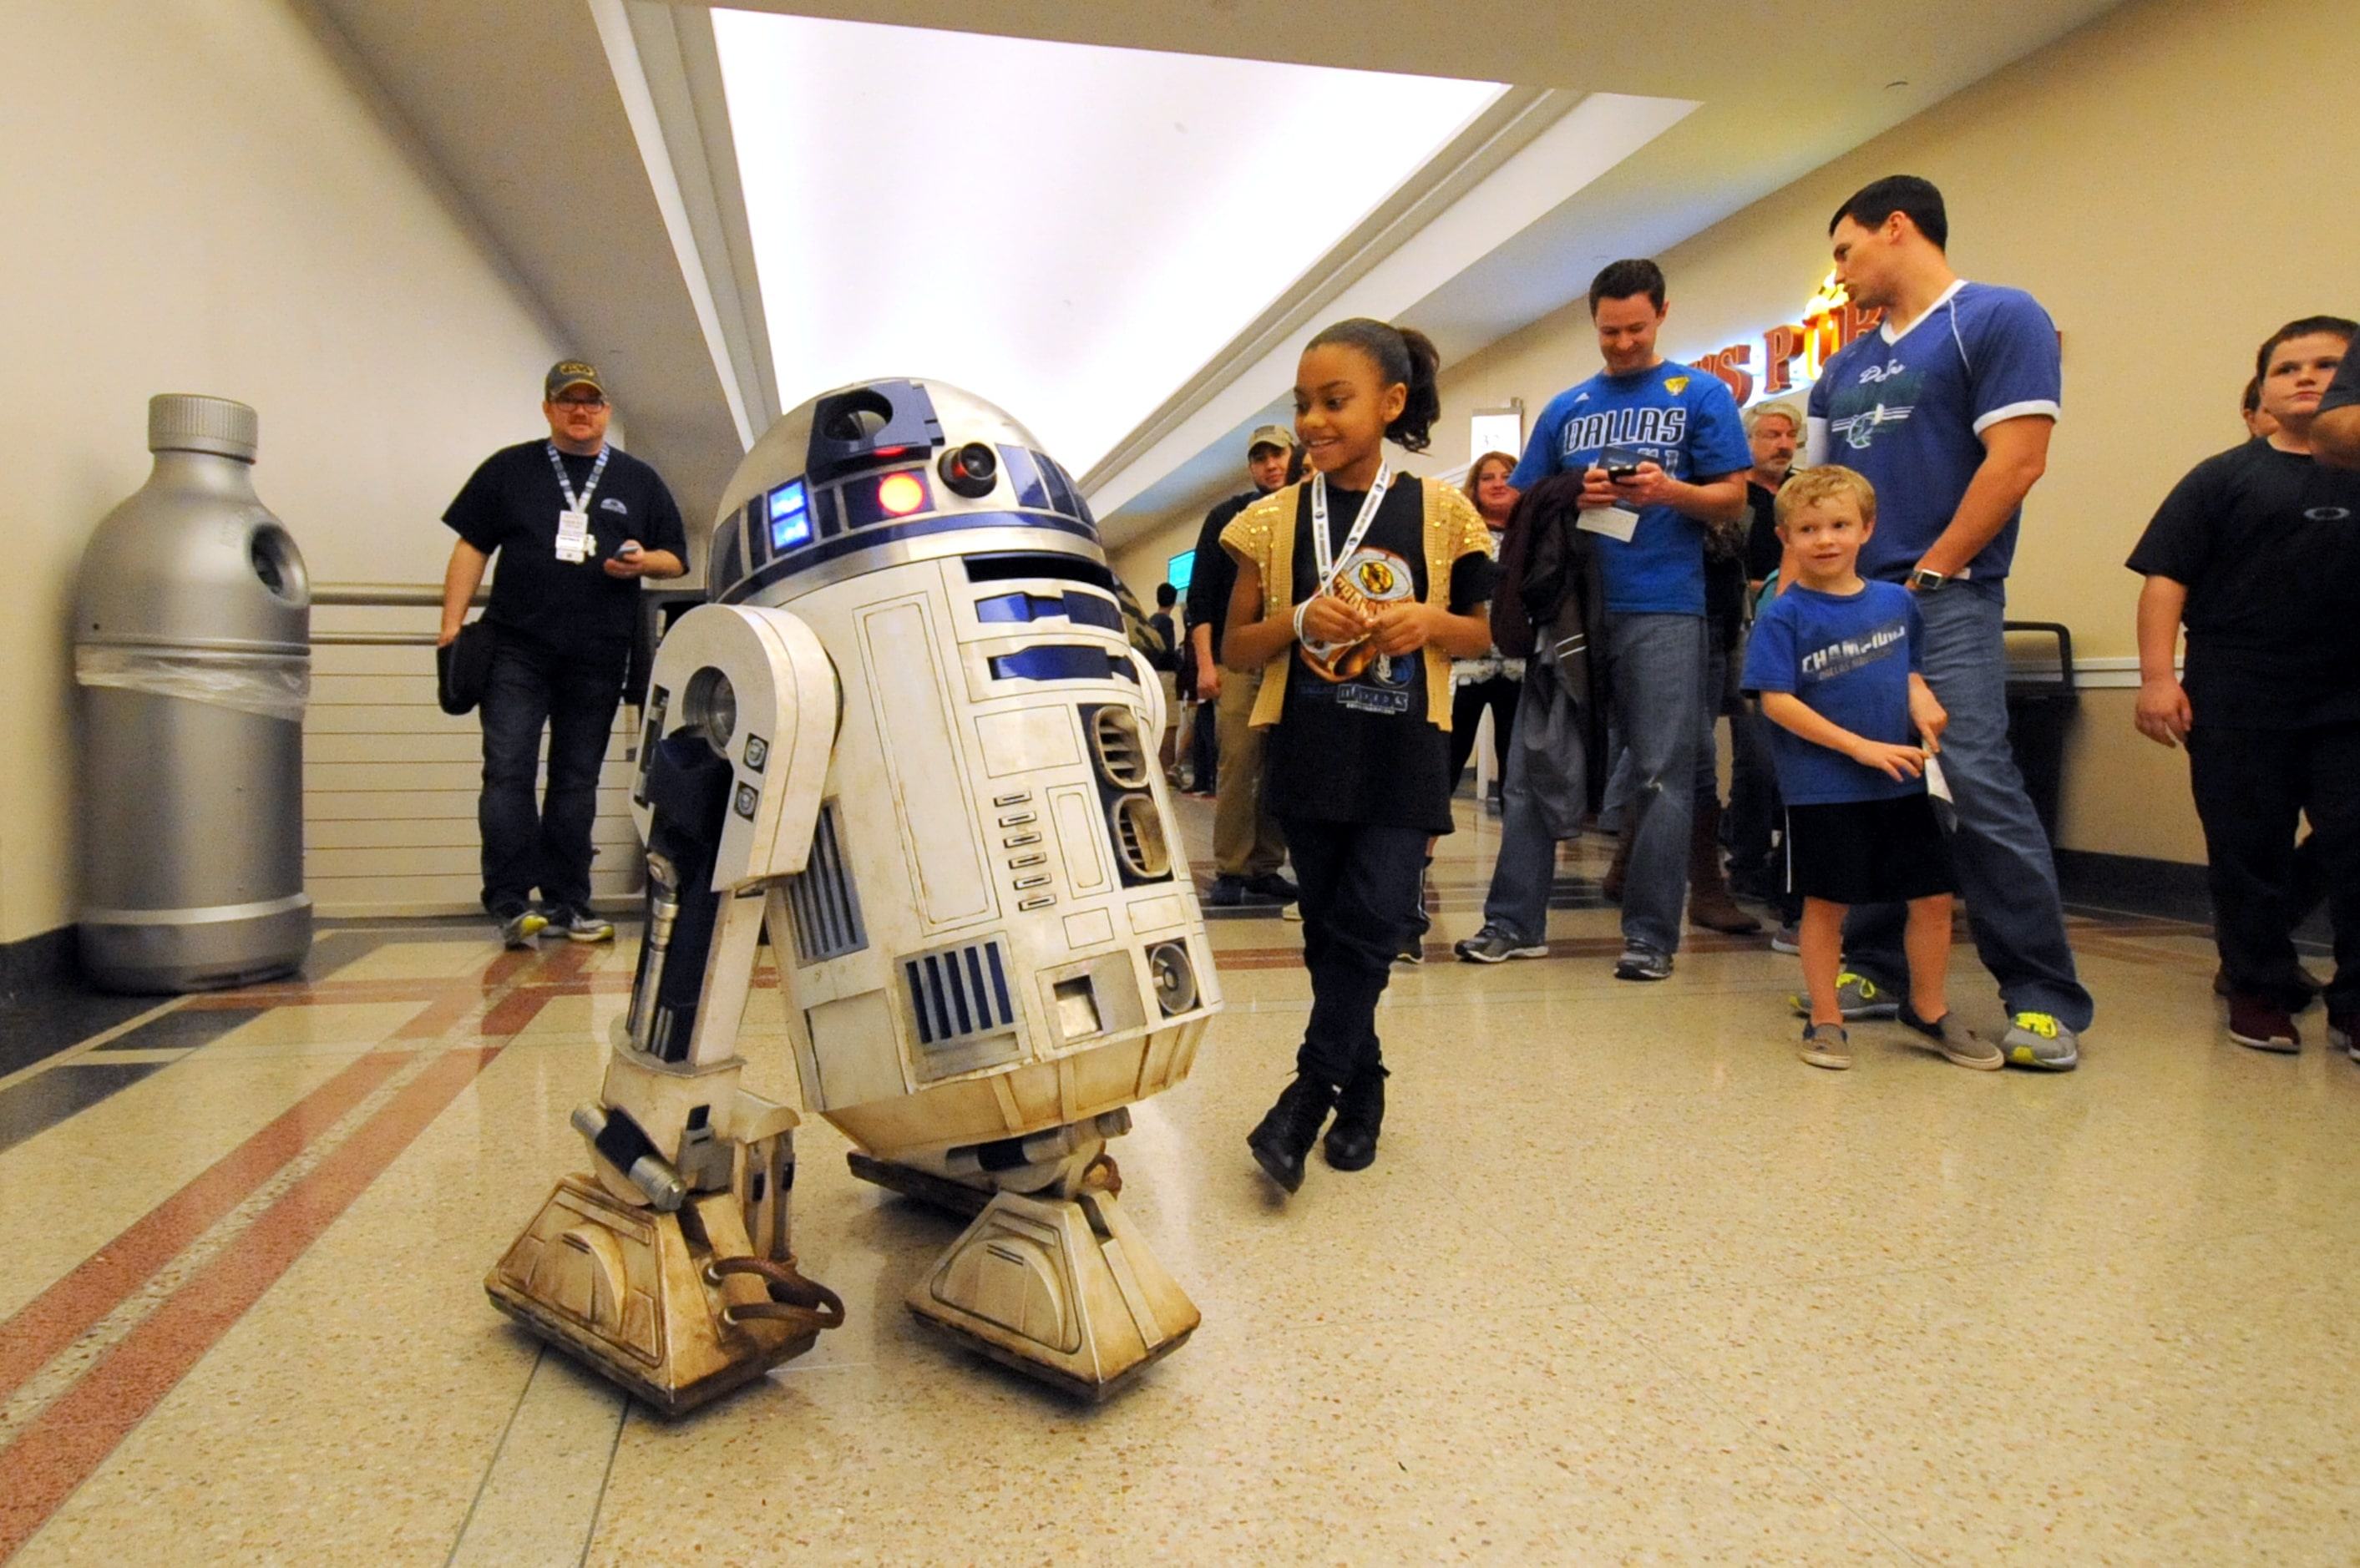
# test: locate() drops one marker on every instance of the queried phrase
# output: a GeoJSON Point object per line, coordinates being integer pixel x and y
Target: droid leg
{"type": "Point", "coordinates": [1052, 1278]}
{"type": "Point", "coordinates": [667, 1267]}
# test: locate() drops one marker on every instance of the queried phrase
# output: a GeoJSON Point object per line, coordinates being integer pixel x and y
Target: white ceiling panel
{"type": "Point", "coordinates": [1068, 230]}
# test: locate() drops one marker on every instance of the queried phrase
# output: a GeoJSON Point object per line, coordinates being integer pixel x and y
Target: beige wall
{"type": "Point", "coordinates": [2172, 182]}
{"type": "Point", "coordinates": [200, 196]}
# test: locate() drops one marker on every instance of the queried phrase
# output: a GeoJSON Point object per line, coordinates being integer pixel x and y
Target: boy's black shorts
{"type": "Point", "coordinates": [1867, 852]}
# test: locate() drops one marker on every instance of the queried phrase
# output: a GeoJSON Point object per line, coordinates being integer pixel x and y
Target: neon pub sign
{"type": "Point", "coordinates": [1793, 355]}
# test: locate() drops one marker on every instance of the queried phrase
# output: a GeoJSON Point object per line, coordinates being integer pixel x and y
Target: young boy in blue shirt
{"type": "Point", "coordinates": [1835, 659]}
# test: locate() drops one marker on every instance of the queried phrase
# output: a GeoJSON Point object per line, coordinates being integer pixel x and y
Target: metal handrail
{"type": "Point", "coordinates": [383, 596]}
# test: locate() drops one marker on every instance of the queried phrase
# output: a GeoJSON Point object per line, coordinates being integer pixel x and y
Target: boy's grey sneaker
{"type": "Point", "coordinates": [1956, 1041]}
{"type": "Point", "coordinates": [1827, 1045]}
{"type": "Point", "coordinates": [1640, 962]}
{"type": "Point", "coordinates": [1492, 946]}
{"type": "Point", "coordinates": [1857, 997]}
{"type": "Point", "coordinates": [518, 929]}
{"type": "Point", "coordinates": [2038, 1039]}
{"type": "Point", "coordinates": [580, 925]}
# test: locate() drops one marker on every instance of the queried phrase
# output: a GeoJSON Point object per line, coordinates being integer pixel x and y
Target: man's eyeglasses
{"type": "Point", "coordinates": [581, 402]}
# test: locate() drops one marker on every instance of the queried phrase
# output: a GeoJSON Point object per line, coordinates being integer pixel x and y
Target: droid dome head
{"type": "Point", "coordinates": [885, 472]}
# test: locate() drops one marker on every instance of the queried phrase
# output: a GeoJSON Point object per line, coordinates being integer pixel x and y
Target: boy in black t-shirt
{"type": "Point", "coordinates": [2257, 552]}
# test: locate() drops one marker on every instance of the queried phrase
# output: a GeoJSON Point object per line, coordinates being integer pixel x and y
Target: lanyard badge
{"type": "Point", "coordinates": [574, 541]}
{"type": "Point", "coordinates": [1339, 661]}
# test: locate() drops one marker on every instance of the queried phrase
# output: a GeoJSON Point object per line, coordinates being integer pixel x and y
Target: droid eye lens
{"type": "Point", "coordinates": [900, 493]}
{"type": "Point", "coordinates": [970, 471]}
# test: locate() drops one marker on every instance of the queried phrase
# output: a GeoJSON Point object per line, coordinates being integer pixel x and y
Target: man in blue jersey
{"type": "Point", "coordinates": [1947, 408]}
{"type": "Point", "coordinates": [1663, 457]}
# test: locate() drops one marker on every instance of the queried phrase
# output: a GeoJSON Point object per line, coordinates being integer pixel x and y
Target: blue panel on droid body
{"type": "Point", "coordinates": [791, 519]}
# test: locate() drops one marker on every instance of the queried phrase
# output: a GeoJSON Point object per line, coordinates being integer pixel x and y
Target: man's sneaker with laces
{"type": "Point", "coordinates": [1857, 997]}
{"type": "Point", "coordinates": [519, 927]}
{"type": "Point", "coordinates": [1827, 1045]}
{"type": "Point", "coordinates": [1788, 938]}
{"type": "Point", "coordinates": [2038, 1039]}
{"type": "Point", "coordinates": [2344, 1033]}
{"type": "Point", "coordinates": [1640, 962]}
{"type": "Point", "coordinates": [580, 925]}
{"type": "Point", "coordinates": [1492, 946]}
{"type": "Point", "coordinates": [1955, 1040]}
{"type": "Point", "coordinates": [2261, 1023]}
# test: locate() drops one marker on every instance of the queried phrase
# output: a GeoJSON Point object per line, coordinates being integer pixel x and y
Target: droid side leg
{"type": "Point", "coordinates": [667, 1267]}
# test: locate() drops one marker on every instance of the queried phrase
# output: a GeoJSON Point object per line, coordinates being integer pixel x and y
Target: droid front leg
{"type": "Point", "coordinates": [667, 1267]}
{"type": "Point", "coordinates": [1053, 1279]}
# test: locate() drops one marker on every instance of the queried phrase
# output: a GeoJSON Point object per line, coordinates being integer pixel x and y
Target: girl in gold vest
{"type": "Point", "coordinates": [1357, 589]}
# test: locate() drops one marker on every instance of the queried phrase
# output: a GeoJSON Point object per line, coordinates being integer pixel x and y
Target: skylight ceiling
{"type": "Point", "coordinates": [1069, 231]}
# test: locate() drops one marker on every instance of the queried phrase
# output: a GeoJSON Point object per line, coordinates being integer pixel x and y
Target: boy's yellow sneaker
{"type": "Point", "coordinates": [1857, 997]}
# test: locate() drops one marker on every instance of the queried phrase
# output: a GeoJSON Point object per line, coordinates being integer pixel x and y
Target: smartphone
{"type": "Point", "coordinates": [1620, 462]}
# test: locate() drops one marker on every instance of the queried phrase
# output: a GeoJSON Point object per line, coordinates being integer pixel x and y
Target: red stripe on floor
{"type": "Point", "coordinates": [513, 1011]}
{"type": "Point", "coordinates": [69, 1441]}
{"type": "Point", "coordinates": [60, 1314]}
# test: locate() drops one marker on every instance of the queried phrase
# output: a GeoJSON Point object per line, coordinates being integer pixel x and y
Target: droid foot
{"type": "Point", "coordinates": [1360, 1117]}
{"type": "Point", "coordinates": [1284, 1137]}
{"type": "Point", "coordinates": [1062, 1290]}
{"type": "Point", "coordinates": [673, 1307]}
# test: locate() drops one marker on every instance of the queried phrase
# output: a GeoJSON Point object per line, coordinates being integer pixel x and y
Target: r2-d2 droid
{"type": "Point", "coordinates": [912, 738]}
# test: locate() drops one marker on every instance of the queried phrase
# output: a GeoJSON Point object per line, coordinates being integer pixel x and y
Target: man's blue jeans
{"type": "Point", "coordinates": [545, 845]}
{"type": "Point", "coordinates": [1654, 671]}
{"type": "Point", "coordinates": [2007, 873]}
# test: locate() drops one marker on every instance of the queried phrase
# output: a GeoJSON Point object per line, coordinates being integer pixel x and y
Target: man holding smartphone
{"type": "Point", "coordinates": [577, 523]}
{"type": "Point", "coordinates": [1662, 456]}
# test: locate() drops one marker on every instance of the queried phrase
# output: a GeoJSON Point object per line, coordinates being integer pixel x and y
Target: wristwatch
{"type": "Point", "coordinates": [1925, 581]}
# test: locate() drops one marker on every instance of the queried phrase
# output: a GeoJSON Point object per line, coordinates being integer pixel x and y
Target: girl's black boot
{"type": "Point", "coordinates": [1360, 1115]}
{"type": "Point", "coordinates": [1283, 1139]}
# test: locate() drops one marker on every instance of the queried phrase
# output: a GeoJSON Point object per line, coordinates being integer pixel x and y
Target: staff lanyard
{"type": "Point", "coordinates": [1324, 560]}
{"type": "Point", "coordinates": [565, 487]}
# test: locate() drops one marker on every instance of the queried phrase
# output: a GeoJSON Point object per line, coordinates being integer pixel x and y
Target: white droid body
{"type": "Point", "coordinates": [930, 751]}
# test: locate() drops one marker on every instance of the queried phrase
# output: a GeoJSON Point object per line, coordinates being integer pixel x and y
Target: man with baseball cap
{"type": "Point", "coordinates": [576, 523]}
{"type": "Point", "coordinates": [1247, 847]}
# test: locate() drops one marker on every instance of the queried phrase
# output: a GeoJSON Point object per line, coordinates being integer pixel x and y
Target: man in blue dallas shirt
{"type": "Point", "coordinates": [1946, 408]}
{"type": "Point", "coordinates": [1689, 457]}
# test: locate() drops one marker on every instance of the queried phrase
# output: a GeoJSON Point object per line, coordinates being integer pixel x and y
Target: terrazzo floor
{"type": "Point", "coordinates": [1627, 1283]}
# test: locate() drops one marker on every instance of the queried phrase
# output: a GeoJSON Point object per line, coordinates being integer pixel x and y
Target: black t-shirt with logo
{"type": "Point", "coordinates": [2268, 543]}
{"type": "Point", "coordinates": [1763, 547]}
{"type": "Point", "coordinates": [510, 508]}
{"type": "Point", "coordinates": [1360, 749]}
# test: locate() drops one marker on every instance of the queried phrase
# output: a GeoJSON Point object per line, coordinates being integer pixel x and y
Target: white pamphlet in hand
{"type": "Point", "coordinates": [1614, 522]}
{"type": "Point", "coordinates": [1937, 790]}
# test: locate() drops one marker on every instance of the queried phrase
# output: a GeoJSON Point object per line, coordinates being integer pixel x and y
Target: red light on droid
{"type": "Point", "coordinates": [900, 495]}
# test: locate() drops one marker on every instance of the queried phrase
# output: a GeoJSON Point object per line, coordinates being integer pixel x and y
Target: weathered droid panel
{"type": "Point", "coordinates": [989, 944]}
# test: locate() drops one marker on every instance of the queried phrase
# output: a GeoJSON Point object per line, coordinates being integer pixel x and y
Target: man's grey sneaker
{"type": "Point", "coordinates": [1857, 997]}
{"type": "Point", "coordinates": [1492, 946]}
{"type": "Point", "coordinates": [2036, 1040]}
{"type": "Point", "coordinates": [581, 925]}
{"type": "Point", "coordinates": [1827, 1045]}
{"type": "Point", "coordinates": [1640, 962]}
{"type": "Point", "coordinates": [1788, 938]}
{"type": "Point", "coordinates": [518, 929]}
{"type": "Point", "coordinates": [1956, 1041]}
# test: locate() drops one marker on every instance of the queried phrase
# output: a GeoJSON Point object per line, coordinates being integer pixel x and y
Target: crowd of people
{"type": "Point", "coordinates": [1831, 581]}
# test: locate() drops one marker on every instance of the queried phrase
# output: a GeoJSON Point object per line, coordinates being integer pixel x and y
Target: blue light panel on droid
{"type": "Point", "coordinates": [790, 518]}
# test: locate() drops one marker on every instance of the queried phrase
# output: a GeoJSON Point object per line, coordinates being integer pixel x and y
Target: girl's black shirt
{"type": "Point", "coordinates": [1362, 750]}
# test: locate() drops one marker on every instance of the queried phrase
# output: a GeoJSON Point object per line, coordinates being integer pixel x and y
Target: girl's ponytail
{"type": "Point", "coordinates": [1404, 356]}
